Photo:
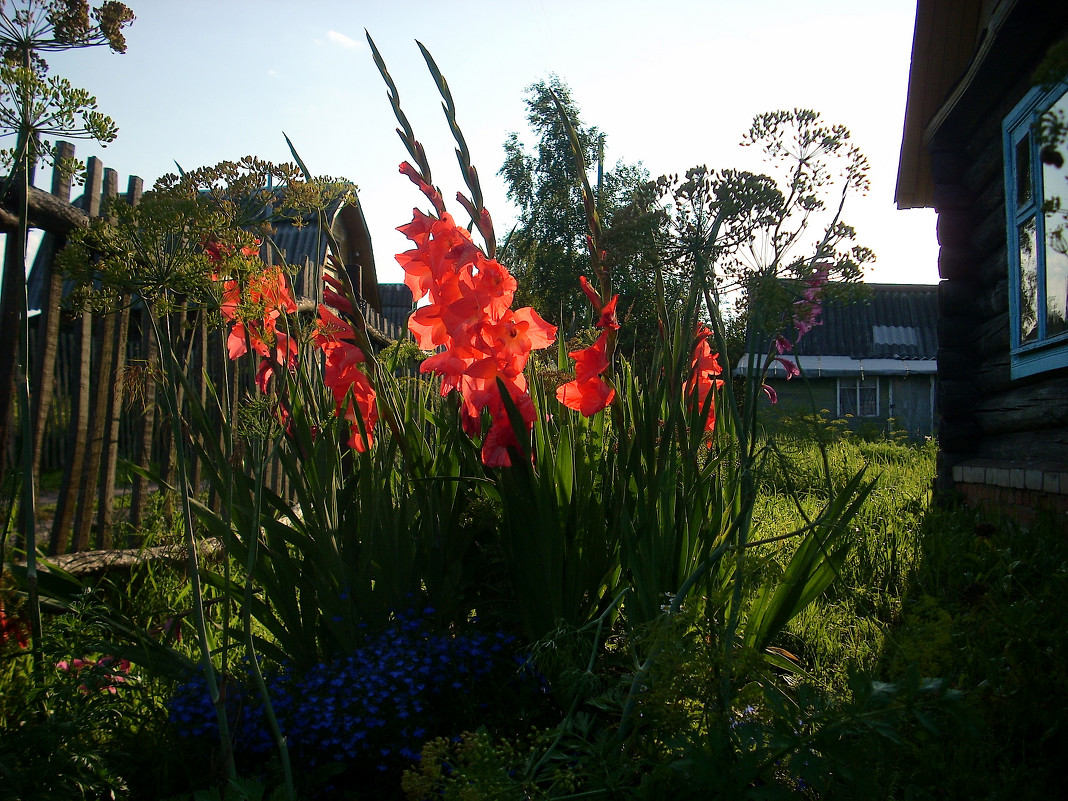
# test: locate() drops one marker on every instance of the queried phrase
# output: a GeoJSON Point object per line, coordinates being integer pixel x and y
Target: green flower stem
{"type": "Point", "coordinates": [170, 395]}
{"type": "Point", "coordinates": [29, 509]}
{"type": "Point", "coordinates": [246, 621]}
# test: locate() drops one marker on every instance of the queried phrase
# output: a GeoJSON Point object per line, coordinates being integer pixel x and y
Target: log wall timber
{"type": "Point", "coordinates": [990, 425]}
{"type": "Point", "coordinates": [1025, 408]}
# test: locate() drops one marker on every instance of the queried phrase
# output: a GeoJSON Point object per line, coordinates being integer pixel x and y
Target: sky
{"type": "Point", "coordinates": [672, 83]}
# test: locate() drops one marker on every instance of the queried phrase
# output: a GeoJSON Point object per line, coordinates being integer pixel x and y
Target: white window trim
{"type": "Point", "coordinates": [856, 387]}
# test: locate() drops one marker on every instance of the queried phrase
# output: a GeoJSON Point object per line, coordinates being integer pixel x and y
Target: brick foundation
{"type": "Point", "coordinates": [1018, 489]}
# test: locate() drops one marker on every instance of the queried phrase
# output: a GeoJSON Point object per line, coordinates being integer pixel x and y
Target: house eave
{"type": "Point", "coordinates": [842, 366]}
{"type": "Point", "coordinates": [952, 38]}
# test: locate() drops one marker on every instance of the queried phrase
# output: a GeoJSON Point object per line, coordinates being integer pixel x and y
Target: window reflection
{"type": "Point", "coordinates": [1055, 215]}
{"type": "Point", "coordinates": [1028, 282]}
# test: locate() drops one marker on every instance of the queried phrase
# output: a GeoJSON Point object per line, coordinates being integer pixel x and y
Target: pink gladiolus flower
{"type": "Point", "coordinates": [789, 367]}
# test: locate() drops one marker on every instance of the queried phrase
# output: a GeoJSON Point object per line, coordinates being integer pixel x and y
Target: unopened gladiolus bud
{"type": "Point", "coordinates": [432, 194]}
{"type": "Point", "coordinates": [334, 294]}
{"type": "Point", "coordinates": [591, 293]}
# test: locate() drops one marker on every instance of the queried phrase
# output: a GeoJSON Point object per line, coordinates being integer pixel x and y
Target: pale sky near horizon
{"type": "Point", "coordinates": [673, 84]}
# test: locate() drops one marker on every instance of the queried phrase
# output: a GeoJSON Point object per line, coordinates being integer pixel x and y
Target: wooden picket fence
{"type": "Point", "coordinates": [94, 389]}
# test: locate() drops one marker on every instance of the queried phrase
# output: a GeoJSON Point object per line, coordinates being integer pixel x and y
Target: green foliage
{"type": "Point", "coordinates": [155, 250]}
{"type": "Point", "coordinates": [548, 251]}
{"type": "Point", "coordinates": [373, 530]}
{"type": "Point", "coordinates": [92, 730]}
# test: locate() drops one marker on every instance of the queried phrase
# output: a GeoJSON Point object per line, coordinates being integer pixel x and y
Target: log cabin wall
{"type": "Point", "coordinates": [1003, 442]}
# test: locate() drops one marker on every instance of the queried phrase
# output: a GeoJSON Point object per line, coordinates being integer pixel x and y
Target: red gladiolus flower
{"type": "Point", "coordinates": [608, 315]}
{"type": "Point", "coordinates": [352, 391]}
{"type": "Point", "coordinates": [586, 397]}
{"type": "Point", "coordinates": [267, 288]}
{"type": "Point", "coordinates": [703, 367]}
{"type": "Point", "coordinates": [480, 340]}
{"type": "Point", "coordinates": [588, 393]}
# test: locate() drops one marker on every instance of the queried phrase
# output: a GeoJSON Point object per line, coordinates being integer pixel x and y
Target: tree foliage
{"type": "Point", "coordinates": [757, 238]}
{"type": "Point", "coordinates": [548, 249]}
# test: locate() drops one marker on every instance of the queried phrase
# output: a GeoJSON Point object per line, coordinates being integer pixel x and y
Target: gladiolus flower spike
{"type": "Point", "coordinates": [703, 367]}
{"type": "Point", "coordinates": [589, 393]}
{"type": "Point", "coordinates": [480, 340]}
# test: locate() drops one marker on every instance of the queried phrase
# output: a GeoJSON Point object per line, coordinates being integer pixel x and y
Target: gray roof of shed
{"type": "Point", "coordinates": [894, 321]}
{"type": "Point", "coordinates": [396, 303]}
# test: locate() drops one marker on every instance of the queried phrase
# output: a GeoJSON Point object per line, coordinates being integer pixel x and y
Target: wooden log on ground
{"type": "Point", "coordinates": [95, 563]}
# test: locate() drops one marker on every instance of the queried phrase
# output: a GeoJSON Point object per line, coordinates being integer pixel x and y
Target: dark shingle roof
{"type": "Point", "coordinates": [396, 303]}
{"type": "Point", "coordinates": [893, 321]}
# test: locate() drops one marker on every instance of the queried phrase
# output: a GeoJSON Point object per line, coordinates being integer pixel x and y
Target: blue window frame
{"type": "Point", "coordinates": [1036, 208]}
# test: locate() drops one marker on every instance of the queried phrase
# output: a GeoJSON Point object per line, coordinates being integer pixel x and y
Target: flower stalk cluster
{"type": "Point", "coordinates": [806, 314]}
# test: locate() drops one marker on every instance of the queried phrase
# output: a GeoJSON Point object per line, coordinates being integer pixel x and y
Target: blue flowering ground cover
{"type": "Point", "coordinates": [371, 710]}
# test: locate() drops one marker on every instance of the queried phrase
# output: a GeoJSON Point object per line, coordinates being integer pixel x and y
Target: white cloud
{"type": "Point", "coordinates": [340, 38]}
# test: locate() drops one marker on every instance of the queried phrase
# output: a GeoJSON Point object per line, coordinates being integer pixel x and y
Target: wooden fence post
{"type": "Point", "coordinates": [103, 333]}
{"type": "Point", "coordinates": [71, 491]}
{"type": "Point", "coordinates": [44, 368]}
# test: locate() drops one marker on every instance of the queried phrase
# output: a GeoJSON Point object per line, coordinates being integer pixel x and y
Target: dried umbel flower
{"type": "Point", "coordinates": [111, 18]}
{"type": "Point", "coordinates": [71, 24]}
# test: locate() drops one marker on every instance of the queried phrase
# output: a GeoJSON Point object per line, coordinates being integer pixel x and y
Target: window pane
{"type": "Point", "coordinates": [847, 398]}
{"type": "Point", "coordinates": [1056, 280]}
{"type": "Point", "coordinates": [1023, 171]}
{"type": "Point", "coordinates": [1028, 282]}
{"type": "Point", "coordinates": [1055, 215]}
{"type": "Point", "coordinates": [869, 397]}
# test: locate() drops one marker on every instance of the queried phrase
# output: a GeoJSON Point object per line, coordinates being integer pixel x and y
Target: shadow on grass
{"type": "Point", "coordinates": [986, 608]}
